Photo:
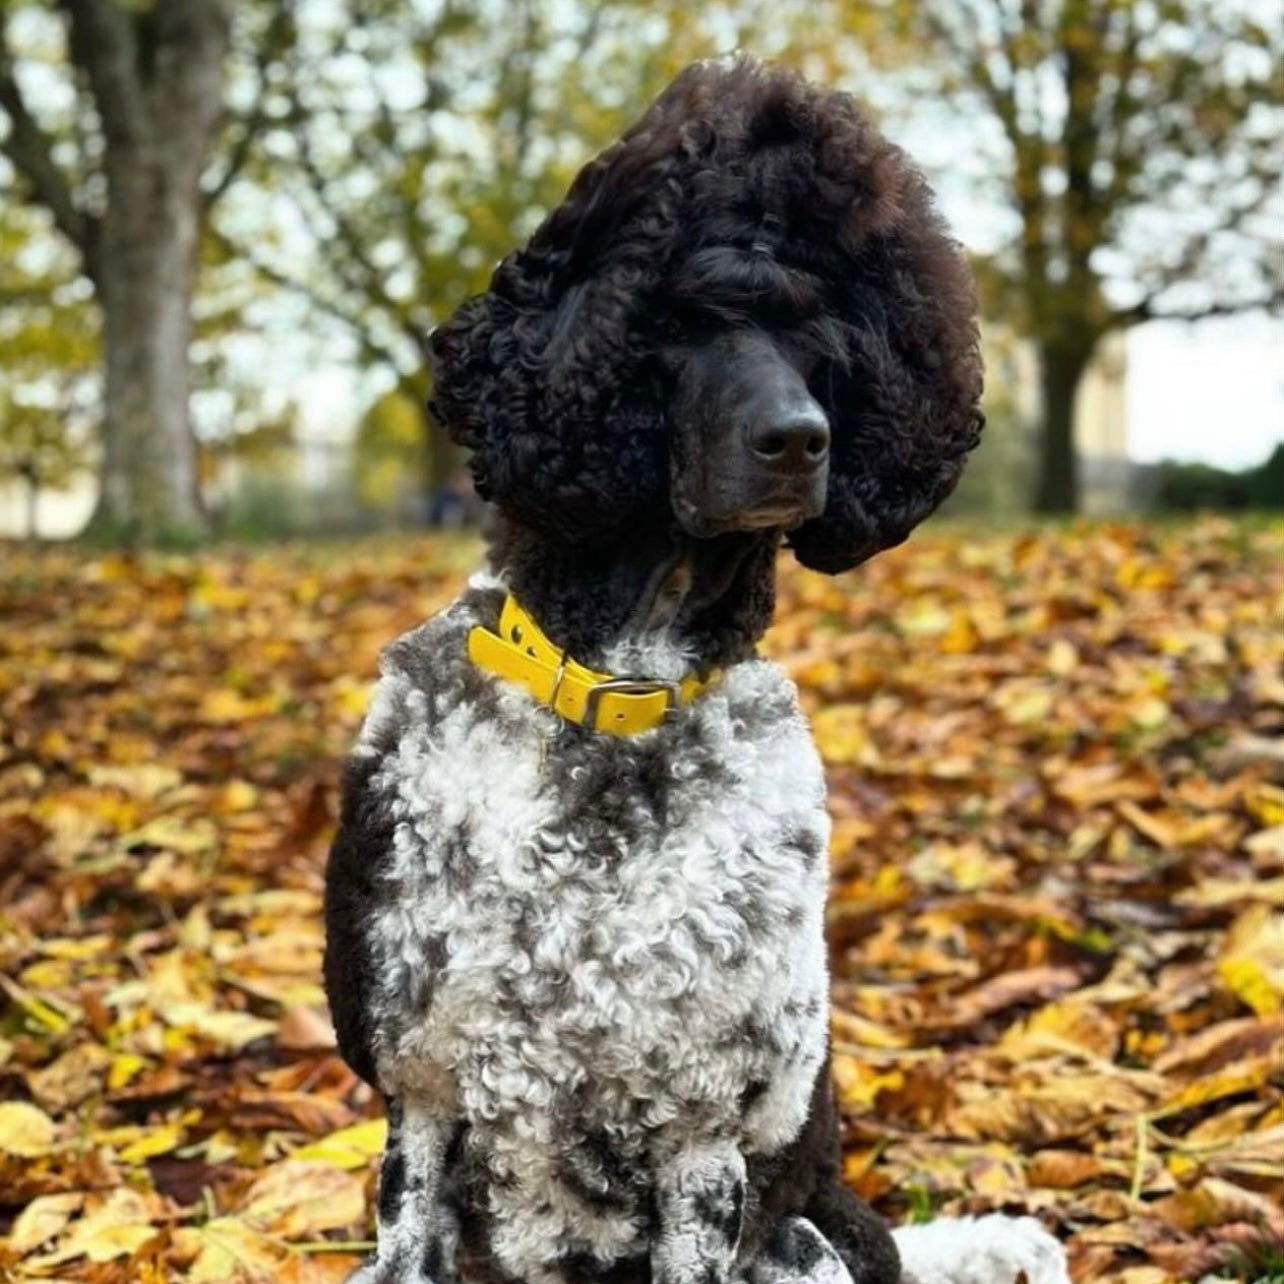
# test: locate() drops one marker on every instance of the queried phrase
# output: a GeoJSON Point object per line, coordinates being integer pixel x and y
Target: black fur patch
{"type": "Point", "coordinates": [721, 1207]}
{"type": "Point", "coordinates": [796, 1246]}
{"type": "Point", "coordinates": [392, 1185]}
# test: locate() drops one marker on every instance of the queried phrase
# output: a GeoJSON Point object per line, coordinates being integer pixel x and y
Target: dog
{"type": "Point", "coordinates": [575, 904]}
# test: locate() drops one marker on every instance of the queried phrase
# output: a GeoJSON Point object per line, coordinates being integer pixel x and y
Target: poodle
{"type": "Point", "coordinates": [575, 905]}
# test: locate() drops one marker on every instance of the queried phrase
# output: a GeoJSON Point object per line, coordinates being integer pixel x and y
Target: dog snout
{"type": "Point", "coordinates": [795, 442]}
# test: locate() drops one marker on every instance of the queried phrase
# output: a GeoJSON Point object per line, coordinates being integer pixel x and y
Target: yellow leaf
{"type": "Point", "coordinates": [296, 1198]}
{"type": "Point", "coordinates": [1266, 804]}
{"type": "Point", "coordinates": [25, 1130]}
{"type": "Point", "coordinates": [227, 1249]}
{"type": "Point", "coordinates": [1244, 1076]}
{"type": "Point", "coordinates": [841, 733]}
{"type": "Point", "coordinates": [41, 1220]}
{"type": "Point", "coordinates": [1149, 713]}
{"type": "Point", "coordinates": [155, 1141]}
{"type": "Point", "coordinates": [1252, 984]}
{"type": "Point", "coordinates": [858, 1085]}
{"type": "Point", "coordinates": [35, 1007]}
{"type": "Point", "coordinates": [964, 867]}
{"type": "Point", "coordinates": [1063, 658]}
{"type": "Point", "coordinates": [109, 1242]}
{"type": "Point", "coordinates": [192, 837]}
{"type": "Point", "coordinates": [352, 698]}
{"type": "Point", "coordinates": [124, 1068]}
{"type": "Point", "coordinates": [923, 617]}
{"type": "Point", "coordinates": [1066, 1026]}
{"type": "Point", "coordinates": [230, 1030]}
{"type": "Point", "coordinates": [848, 1027]}
{"type": "Point", "coordinates": [222, 705]}
{"type": "Point", "coordinates": [118, 1227]}
{"type": "Point", "coordinates": [147, 780]}
{"type": "Point", "coordinates": [351, 1147]}
{"type": "Point", "coordinates": [1252, 964]}
{"type": "Point", "coordinates": [237, 796]}
{"type": "Point", "coordinates": [1023, 701]}
{"type": "Point", "coordinates": [77, 949]}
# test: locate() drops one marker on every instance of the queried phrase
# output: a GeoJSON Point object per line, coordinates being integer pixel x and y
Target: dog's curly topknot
{"type": "Point", "coordinates": [551, 377]}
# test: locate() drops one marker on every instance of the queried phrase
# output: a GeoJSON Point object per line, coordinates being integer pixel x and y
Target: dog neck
{"type": "Point", "coordinates": [620, 603]}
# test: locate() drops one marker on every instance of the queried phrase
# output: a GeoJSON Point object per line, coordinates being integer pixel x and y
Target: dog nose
{"type": "Point", "coordinates": [796, 443]}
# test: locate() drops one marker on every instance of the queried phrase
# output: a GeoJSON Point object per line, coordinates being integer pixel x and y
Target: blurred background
{"type": "Point", "coordinates": [1054, 748]}
{"type": "Point", "coordinates": [226, 227]}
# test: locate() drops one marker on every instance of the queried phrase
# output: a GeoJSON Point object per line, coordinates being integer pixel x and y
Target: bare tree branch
{"type": "Point", "coordinates": [1192, 265]}
{"type": "Point", "coordinates": [30, 150]}
{"type": "Point", "coordinates": [372, 351]}
{"type": "Point", "coordinates": [1149, 310]}
{"type": "Point", "coordinates": [369, 277]}
{"type": "Point", "coordinates": [276, 40]}
{"type": "Point", "coordinates": [105, 43]}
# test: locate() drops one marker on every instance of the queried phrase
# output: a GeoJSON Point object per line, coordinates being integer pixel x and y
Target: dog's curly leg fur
{"type": "Point", "coordinates": [418, 1234]}
{"type": "Point", "coordinates": [701, 1204]}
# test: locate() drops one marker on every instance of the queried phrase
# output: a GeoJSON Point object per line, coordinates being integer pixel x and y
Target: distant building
{"type": "Point", "coordinates": [1001, 477]}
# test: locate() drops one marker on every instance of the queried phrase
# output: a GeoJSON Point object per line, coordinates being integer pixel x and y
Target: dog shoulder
{"type": "Point", "coordinates": [425, 674]}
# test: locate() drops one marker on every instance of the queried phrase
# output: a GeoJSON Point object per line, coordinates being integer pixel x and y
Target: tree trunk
{"type": "Point", "coordinates": [158, 136]}
{"type": "Point", "coordinates": [1060, 372]}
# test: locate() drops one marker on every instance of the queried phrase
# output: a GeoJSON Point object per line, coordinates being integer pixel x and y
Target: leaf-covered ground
{"type": "Point", "coordinates": [1057, 778]}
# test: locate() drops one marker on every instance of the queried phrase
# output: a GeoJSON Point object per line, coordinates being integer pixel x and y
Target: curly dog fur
{"type": "Point", "coordinates": [553, 379]}
{"type": "Point", "coordinates": [588, 972]}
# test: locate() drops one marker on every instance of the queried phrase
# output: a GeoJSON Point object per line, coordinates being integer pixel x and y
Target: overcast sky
{"type": "Point", "coordinates": [1213, 391]}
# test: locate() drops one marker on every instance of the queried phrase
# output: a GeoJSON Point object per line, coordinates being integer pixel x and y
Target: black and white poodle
{"type": "Point", "coordinates": [575, 907]}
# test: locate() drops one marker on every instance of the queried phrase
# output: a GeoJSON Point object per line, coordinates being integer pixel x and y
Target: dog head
{"type": "Point", "coordinates": [746, 312]}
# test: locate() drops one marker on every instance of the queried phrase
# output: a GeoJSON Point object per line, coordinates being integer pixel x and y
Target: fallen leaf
{"type": "Point", "coordinates": [41, 1220]}
{"type": "Point", "coordinates": [25, 1130]}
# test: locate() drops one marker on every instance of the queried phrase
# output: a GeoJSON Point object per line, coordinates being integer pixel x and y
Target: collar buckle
{"type": "Point", "coordinates": [630, 686]}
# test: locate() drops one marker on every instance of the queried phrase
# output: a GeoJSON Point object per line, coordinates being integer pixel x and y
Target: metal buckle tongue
{"type": "Point", "coordinates": [629, 686]}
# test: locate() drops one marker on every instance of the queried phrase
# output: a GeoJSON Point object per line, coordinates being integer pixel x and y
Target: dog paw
{"type": "Point", "coordinates": [981, 1250]}
{"type": "Point", "coordinates": [797, 1253]}
{"type": "Point", "coordinates": [400, 1270]}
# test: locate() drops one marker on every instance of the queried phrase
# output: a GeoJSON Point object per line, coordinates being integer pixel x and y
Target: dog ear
{"type": "Point", "coordinates": [565, 430]}
{"type": "Point", "coordinates": [904, 397]}
{"type": "Point", "coordinates": [545, 378]}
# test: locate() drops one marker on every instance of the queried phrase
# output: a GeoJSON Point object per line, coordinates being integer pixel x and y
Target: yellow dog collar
{"type": "Point", "coordinates": [521, 653]}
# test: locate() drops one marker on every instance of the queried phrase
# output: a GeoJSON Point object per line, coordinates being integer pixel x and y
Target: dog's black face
{"type": "Point", "coordinates": [749, 444]}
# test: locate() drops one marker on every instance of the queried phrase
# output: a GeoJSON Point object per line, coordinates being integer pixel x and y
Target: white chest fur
{"type": "Point", "coordinates": [584, 936]}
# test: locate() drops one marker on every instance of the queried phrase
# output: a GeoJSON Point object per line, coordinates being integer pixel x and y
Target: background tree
{"type": "Point", "coordinates": [49, 362]}
{"type": "Point", "coordinates": [388, 452]}
{"type": "Point", "coordinates": [111, 110]}
{"type": "Point", "coordinates": [1140, 144]}
{"type": "Point", "coordinates": [42, 448]}
{"type": "Point", "coordinates": [427, 139]}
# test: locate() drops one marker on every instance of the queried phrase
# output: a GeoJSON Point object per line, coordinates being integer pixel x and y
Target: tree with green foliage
{"type": "Point", "coordinates": [42, 447]}
{"type": "Point", "coordinates": [1141, 146]}
{"type": "Point", "coordinates": [428, 139]}
{"type": "Point", "coordinates": [389, 452]}
{"type": "Point", "coordinates": [49, 359]}
{"type": "Point", "coordinates": [111, 117]}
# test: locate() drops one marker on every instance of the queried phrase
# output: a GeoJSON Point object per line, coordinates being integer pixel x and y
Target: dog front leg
{"type": "Point", "coordinates": [418, 1229]}
{"type": "Point", "coordinates": [701, 1199]}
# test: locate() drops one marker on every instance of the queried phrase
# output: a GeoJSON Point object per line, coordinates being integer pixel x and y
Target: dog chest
{"type": "Point", "coordinates": [563, 909]}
